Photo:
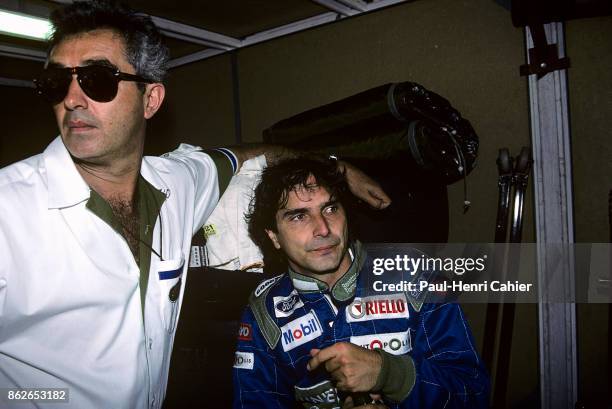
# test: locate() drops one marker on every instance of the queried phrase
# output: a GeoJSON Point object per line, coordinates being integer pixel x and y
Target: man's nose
{"type": "Point", "coordinates": [75, 97]}
{"type": "Point", "coordinates": [321, 226]}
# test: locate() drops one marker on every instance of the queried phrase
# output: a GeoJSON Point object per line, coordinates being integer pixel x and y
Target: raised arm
{"type": "Point", "coordinates": [361, 185]}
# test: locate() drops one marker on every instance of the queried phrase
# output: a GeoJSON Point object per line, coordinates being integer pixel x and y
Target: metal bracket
{"type": "Point", "coordinates": [543, 57]}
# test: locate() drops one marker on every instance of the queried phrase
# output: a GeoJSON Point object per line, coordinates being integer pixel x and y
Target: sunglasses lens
{"type": "Point", "coordinates": [53, 84]}
{"type": "Point", "coordinates": [98, 82]}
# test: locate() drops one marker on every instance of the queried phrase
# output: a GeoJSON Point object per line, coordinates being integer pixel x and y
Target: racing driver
{"type": "Point", "coordinates": [318, 336]}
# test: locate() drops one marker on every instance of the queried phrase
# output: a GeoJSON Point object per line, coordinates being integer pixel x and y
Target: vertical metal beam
{"type": "Point", "coordinates": [554, 224]}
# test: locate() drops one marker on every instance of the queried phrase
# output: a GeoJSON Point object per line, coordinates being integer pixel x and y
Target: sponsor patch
{"type": "Point", "coordinates": [377, 307]}
{"type": "Point", "coordinates": [244, 360]}
{"type": "Point", "coordinates": [300, 331]}
{"type": "Point", "coordinates": [323, 395]}
{"type": "Point", "coordinates": [263, 286]}
{"type": "Point", "coordinates": [350, 285]}
{"type": "Point", "coordinates": [245, 332]}
{"type": "Point", "coordinates": [396, 343]}
{"type": "Point", "coordinates": [285, 306]}
{"type": "Point", "coordinates": [209, 230]}
{"type": "Point", "coordinates": [195, 260]}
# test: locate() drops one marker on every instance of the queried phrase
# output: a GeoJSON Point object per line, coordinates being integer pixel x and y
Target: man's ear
{"type": "Point", "coordinates": [154, 96]}
{"type": "Point", "coordinates": [274, 239]}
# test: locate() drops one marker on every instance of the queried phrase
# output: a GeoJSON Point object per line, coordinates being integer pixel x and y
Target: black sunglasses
{"type": "Point", "coordinates": [99, 82]}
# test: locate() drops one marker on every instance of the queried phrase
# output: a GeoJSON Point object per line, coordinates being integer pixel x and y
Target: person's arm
{"type": "Point", "coordinates": [259, 380]}
{"type": "Point", "coordinates": [361, 185]}
{"type": "Point", "coordinates": [274, 153]}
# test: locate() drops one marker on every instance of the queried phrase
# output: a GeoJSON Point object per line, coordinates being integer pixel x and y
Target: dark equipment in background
{"type": "Point", "coordinates": [203, 353]}
{"type": "Point", "coordinates": [525, 12]}
{"type": "Point", "coordinates": [512, 181]}
{"type": "Point", "coordinates": [408, 138]}
{"type": "Point", "coordinates": [534, 14]}
{"type": "Point", "coordinates": [401, 121]}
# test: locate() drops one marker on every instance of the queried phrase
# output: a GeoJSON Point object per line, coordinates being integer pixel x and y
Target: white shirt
{"type": "Point", "coordinates": [70, 309]}
{"type": "Point", "coordinates": [228, 244]}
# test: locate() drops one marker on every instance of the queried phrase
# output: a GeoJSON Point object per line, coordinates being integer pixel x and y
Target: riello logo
{"type": "Point", "coordinates": [300, 331]}
{"type": "Point", "coordinates": [377, 307]}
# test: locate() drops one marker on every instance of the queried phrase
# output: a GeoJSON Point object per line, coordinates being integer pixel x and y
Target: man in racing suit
{"type": "Point", "coordinates": [319, 336]}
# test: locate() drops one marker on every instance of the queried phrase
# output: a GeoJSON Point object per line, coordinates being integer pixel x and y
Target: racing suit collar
{"type": "Point", "coordinates": [344, 288]}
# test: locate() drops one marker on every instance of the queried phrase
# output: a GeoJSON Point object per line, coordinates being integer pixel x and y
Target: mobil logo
{"type": "Point", "coordinates": [300, 331]}
{"type": "Point", "coordinates": [396, 343]}
{"type": "Point", "coordinates": [377, 307]}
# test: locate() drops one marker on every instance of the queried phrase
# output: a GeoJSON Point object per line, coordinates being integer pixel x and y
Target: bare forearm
{"type": "Point", "coordinates": [360, 184]}
{"type": "Point", "coordinates": [274, 153]}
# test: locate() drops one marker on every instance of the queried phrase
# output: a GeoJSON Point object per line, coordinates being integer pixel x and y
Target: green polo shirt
{"type": "Point", "coordinates": [150, 201]}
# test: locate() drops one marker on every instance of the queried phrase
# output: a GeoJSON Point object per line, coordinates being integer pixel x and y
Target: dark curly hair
{"type": "Point", "coordinates": [272, 194]}
{"type": "Point", "coordinates": [143, 42]}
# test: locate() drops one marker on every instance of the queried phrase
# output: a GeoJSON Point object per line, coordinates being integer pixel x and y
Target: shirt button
{"type": "Point", "coordinates": [331, 324]}
{"type": "Point", "coordinates": [2, 283]}
{"type": "Point", "coordinates": [150, 343]}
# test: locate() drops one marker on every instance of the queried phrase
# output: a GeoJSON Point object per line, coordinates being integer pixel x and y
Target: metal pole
{"type": "Point", "coordinates": [554, 224]}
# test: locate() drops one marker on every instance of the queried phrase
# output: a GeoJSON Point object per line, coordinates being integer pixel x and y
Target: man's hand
{"type": "Point", "coordinates": [354, 369]}
{"type": "Point", "coordinates": [364, 187]}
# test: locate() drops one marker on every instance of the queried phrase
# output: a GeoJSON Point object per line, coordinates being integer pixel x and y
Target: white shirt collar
{"type": "Point", "coordinates": [65, 185]}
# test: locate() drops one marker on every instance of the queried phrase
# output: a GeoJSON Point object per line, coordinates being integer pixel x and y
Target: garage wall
{"type": "Point", "coordinates": [199, 107]}
{"type": "Point", "coordinates": [589, 46]}
{"type": "Point", "coordinates": [28, 124]}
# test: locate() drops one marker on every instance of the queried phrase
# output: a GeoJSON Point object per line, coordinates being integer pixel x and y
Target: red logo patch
{"type": "Point", "coordinates": [245, 332]}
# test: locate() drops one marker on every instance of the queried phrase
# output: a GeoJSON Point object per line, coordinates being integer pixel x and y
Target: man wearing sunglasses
{"type": "Point", "coordinates": [95, 236]}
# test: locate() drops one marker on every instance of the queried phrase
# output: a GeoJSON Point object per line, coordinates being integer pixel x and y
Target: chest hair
{"type": "Point", "coordinates": [127, 214]}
